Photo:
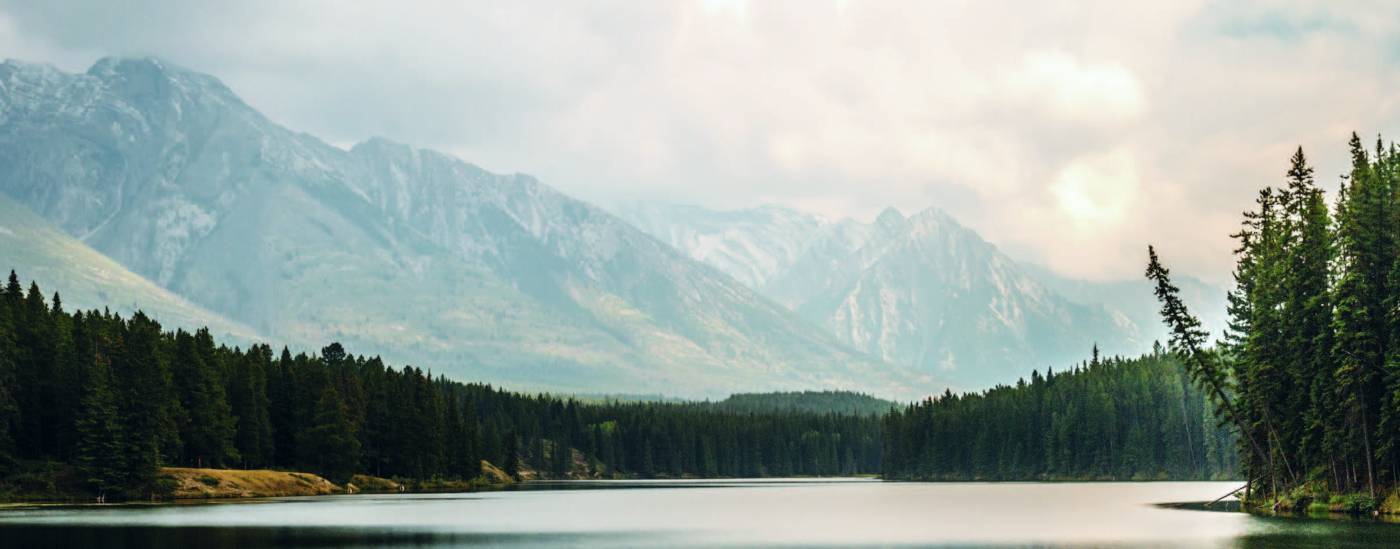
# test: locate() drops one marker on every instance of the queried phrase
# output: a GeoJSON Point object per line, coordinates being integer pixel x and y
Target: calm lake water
{"type": "Point", "coordinates": [701, 513]}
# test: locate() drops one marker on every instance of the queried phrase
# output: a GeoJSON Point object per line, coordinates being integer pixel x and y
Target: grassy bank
{"type": "Point", "coordinates": [1320, 504]}
{"type": "Point", "coordinates": [189, 483]}
{"type": "Point", "coordinates": [57, 482]}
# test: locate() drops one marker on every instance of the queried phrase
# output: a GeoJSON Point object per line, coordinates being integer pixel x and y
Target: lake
{"type": "Point", "coordinates": [701, 513]}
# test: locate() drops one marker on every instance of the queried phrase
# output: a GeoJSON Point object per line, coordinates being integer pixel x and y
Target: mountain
{"type": "Point", "coordinates": [392, 250]}
{"type": "Point", "coordinates": [924, 290]}
{"type": "Point", "coordinates": [1133, 299]}
{"type": "Point", "coordinates": [785, 254]}
{"type": "Point", "coordinates": [752, 246]}
{"type": "Point", "coordinates": [86, 279]}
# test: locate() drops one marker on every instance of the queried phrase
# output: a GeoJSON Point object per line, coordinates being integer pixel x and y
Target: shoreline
{"type": "Point", "coordinates": [189, 484]}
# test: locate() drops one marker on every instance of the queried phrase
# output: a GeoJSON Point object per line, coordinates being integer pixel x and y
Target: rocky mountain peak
{"type": "Point", "coordinates": [154, 80]}
{"type": "Point", "coordinates": [890, 218]}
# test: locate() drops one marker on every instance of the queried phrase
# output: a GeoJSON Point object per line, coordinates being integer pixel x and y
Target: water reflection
{"type": "Point", "coordinates": [702, 513]}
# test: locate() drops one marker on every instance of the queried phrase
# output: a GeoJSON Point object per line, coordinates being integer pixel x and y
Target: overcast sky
{"type": "Point", "coordinates": [1069, 136]}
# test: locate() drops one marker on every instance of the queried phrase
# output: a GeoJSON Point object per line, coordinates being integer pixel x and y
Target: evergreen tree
{"type": "Point", "coordinates": [147, 404]}
{"type": "Point", "coordinates": [100, 455]}
{"type": "Point", "coordinates": [207, 424]}
{"type": "Point", "coordinates": [119, 398]}
{"type": "Point", "coordinates": [332, 438]}
{"type": "Point", "coordinates": [1307, 323]}
{"type": "Point", "coordinates": [250, 405]}
{"type": "Point", "coordinates": [512, 456]}
{"type": "Point", "coordinates": [9, 409]}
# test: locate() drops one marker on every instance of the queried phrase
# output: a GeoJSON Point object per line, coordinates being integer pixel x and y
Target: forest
{"type": "Point", "coordinates": [1105, 419]}
{"type": "Point", "coordinates": [1309, 370]}
{"type": "Point", "coordinates": [815, 402]}
{"type": "Point", "coordinates": [115, 399]}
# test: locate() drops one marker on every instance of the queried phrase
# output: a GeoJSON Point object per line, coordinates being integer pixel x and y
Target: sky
{"type": "Point", "coordinates": [1070, 135]}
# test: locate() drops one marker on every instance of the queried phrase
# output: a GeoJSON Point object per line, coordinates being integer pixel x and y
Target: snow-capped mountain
{"type": "Point", "coordinates": [390, 249]}
{"type": "Point", "coordinates": [925, 290]}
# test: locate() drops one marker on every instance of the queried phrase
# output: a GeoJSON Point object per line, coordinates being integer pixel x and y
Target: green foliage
{"type": "Point", "coordinates": [207, 426]}
{"type": "Point", "coordinates": [1106, 419]}
{"type": "Point", "coordinates": [1313, 350]}
{"type": "Point", "coordinates": [119, 398]}
{"type": "Point", "coordinates": [820, 402]}
{"type": "Point", "coordinates": [1357, 504]}
{"type": "Point", "coordinates": [331, 437]}
{"type": "Point", "coordinates": [99, 452]}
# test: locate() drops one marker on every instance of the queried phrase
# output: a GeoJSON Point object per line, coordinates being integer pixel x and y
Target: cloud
{"type": "Point", "coordinates": [1070, 134]}
{"type": "Point", "coordinates": [1075, 93]}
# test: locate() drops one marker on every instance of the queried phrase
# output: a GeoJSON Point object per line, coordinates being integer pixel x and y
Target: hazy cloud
{"type": "Point", "coordinates": [1068, 134]}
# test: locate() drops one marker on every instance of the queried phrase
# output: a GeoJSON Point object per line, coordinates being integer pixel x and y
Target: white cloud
{"type": "Point", "coordinates": [1095, 194]}
{"type": "Point", "coordinates": [1067, 133]}
{"type": "Point", "coordinates": [1077, 93]}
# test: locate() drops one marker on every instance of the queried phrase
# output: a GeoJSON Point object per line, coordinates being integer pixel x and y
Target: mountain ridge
{"type": "Point", "coordinates": [391, 249]}
{"type": "Point", "coordinates": [927, 291]}
{"type": "Point", "coordinates": [88, 280]}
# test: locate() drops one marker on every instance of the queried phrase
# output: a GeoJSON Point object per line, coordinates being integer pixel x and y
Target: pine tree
{"type": "Point", "coordinates": [249, 403]}
{"type": "Point", "coordinates": [208, 427]}
{"type": "Point", "coordinates": [147, 404]}
{"type": "Point", "coordinates": [100, 455]}
{"type": "Point", "coordinates": [9, 410]}
{"type": "Point", "coordinates": [1188, 341]}
{"type": "Point", "coordinates": [512, 458]}
{"type": "Point", "coordinates": [1358, 350]}
{"type": "Point", "coordinates": [336, 448]}
{"type": "Point", "coordinates": [1307, 322]}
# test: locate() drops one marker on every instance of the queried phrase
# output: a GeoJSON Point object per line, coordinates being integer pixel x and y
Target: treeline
{"type": "Point", "coordinates": [118, 398]}
{"type": "Point", "coordinates": [816, 402]}
{"type": "Point", "coordinates": [1310, 368]}
{"type": "Point", "coordinates": [1106, 419]}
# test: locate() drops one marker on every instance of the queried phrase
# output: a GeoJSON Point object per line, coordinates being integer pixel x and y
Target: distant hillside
{"type": "Point", "coordinates": [86, 279]}
{"type": "Point", "coordinates": [821, 402]}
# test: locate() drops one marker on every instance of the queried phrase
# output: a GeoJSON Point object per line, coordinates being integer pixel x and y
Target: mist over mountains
{"type": "Point", "coordinates": [923, 289]}
{"type": "Point", "coordinates": [232, 220]}
{"type": "Point", "coordinates": [392, 250]}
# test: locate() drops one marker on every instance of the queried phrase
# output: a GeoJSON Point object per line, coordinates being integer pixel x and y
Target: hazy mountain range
{"type": "Point", "coordinates": [159, 188]}
{"type": "Point", "coordinates": [921, 290]}
{"type": "Point", "coordinates": [391, 250]}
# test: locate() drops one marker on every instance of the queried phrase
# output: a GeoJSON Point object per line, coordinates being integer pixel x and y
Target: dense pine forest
{"type": "Point", "coordinates": [1309, 371]}
{"type": "Point", "coordinates": [816, 402]}
{"type": "Point", "coordinates": [1106, 419]}
{"type": "Point", "coordinates": [114, 399]}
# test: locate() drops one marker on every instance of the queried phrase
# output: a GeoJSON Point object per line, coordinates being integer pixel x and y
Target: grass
{"type": "Point", "coordinates": [1314, 501]}
{"type": "Point", "coordinates": [40, 481]}
{"type": "Point", "coordinates": [374, 485]}
{"type": "Point", "coordinates": [235, 483]}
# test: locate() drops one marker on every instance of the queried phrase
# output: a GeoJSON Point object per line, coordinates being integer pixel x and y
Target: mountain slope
{"type": "Point", "coordinates": [1133, 300]}
{"type": "Point", "coordinates": [88, 280]}
{"type": "Point", "coordinates": [938, 296]}
{"type": "Point", "coordinates": [752, 246]}
{"type": "Point", "coordinates": [926, 291]}
{"type": "Point", "coordinates": [392, 250]}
